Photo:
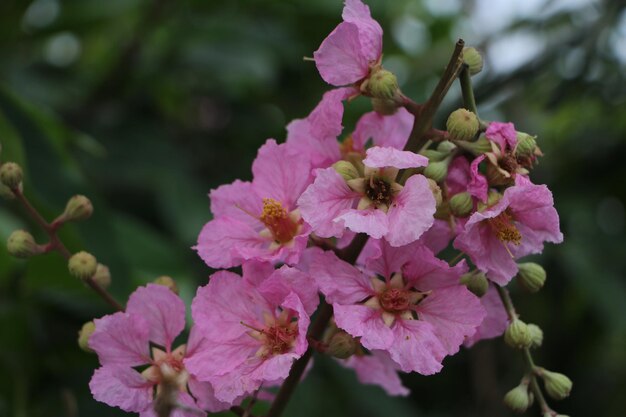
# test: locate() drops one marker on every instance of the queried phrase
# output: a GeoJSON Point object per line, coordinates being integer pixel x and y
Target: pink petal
{"type": "Point", "coordinates": [386, 259]}
{"type": "Point", "coordinates": [286, 280]}
{"type": "Point", "coordinates": [411, 213]}
{"type": "Point", "coordinates": [324, 200]}
{"type": "Point", "coordinates": [379, 157]}
{"type": "Point", "coordinates": [370, 221]}
{"type": "Point", "coordinates": [426, 272]}
{"type": "Point", "coordinates": [496, 319]}
{"type": "Point", "coordinates": [293, 302]}
{"type": "Point", "coordinates": [370, 32]}
{"type": "Point", "coordinates": [416, 348]}
{"type": "Point", "coordinates": [162, 309]}
{"type": "Point", "coordinates": [121, 386]}
{"type": "Point", "coordinates": [377, 369]}
{"type": "Point", "coordinates": [280, 173]}
{"type": "Point", "coordinates": [438, 237]}
{"type": "Point", "coordinates": [366, 323]}
{"type": "Point", "coordinates": [454, 312]}
{"type": "Point", "coordinates": [478, 186]}
{"type": "Point", "coordinates": [255, 272]}
{"type": "Point", "coordinates": [340, 59]}
{"type": "Point", "coordinates": [121, 339]}
{"type": "Point", "coordinates": [459, 175]}
{"type": "Point", "coordinates": [338, 280]}
{"type": "Point", "coordinates": [237, 201]}
{"type": "Point", "coordinates": [503, 134]}
{"type": "Point", "coordinates": [533, 206]}
{"type": "Point", "coordinates": [205, 396]}
{"type": "Point", "coordinates": [232, 354]}
{"type": "Point", "coordinates": [388, 131]}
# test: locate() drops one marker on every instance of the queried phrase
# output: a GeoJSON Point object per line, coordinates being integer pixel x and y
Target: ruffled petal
{"type": "Point", "coordinates": [377, 369]}
{"type": "Point", "coordinates": [238, 201]}
{"type": "Point", "coordinates": [388, 131]}
{"type": "Point", "coordinates": [121, 386]}
{"type": "Point", "coordinates": [370, 32]}
{"type": "Point", "coordinates": [121, 339]}
{"type": "Point", "coordinates": [285, 280]}
{"type": "Point", "coordinates": [478, 186]}
{"type": "Point", "coordinates": [371, 221]}
{"type": "Point", "coordinates": [495, 321]}
{"type": "Point", "coordinates": [416, 348]}
{"type": "Point", "coordinates": [340, 59]}
{"type": "Point", "coordinates": [381, 157]}
{"type": "Point", "coordinates": [366, 323]}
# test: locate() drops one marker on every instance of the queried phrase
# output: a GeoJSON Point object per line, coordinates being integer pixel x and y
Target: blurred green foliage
{"type": "Point", "coordinates": [145, 106]}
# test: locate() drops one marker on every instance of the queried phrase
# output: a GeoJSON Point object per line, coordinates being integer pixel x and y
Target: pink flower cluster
{"type": "Point", "coordinates": [405, 307]}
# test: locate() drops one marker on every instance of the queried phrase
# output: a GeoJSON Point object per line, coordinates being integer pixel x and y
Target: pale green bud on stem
{"type": "Point", "coordinates": [434, 155]}
{"type": "Point", "coordinates": [6, 193]}
{"type": "Point", "coordinates": [381, 84]}
{"type": "Point", "coordinates": [342, 345]}
{"type": "Point", "coordinates": [346, 169]}
{"type": "Point", "coordinates": [446, 147]}
{"type": "Point", "coordinates": [476, 148]}
{"type": "Point", "coordinates": [21, 244]}
{"type": "Point", "coordinates": [526, 144]}
{"type": "Point", "coordinates": [11, 175]}
{"type": "Point", "coordinates": [78, 208]}
{"type": "Point", "coordinates": [473, 59]}
{"type": "Point", "coordinates": [558, 386]}
{"type": "Point", "coordinates": [385, 106]}
{"type": "Point", "coordinates": [517, 335]}
{"type": "Point", "coordinates": [84, 334]}
{"type": "Point", "coordinates": [437, 170]}
{"type": "Point", "coordinates": [461, 204]}
{"type": "Point", "coordinates": [462, 125]}
{"type": "Point", "coordinates": [531, 276]}
{"type": "Point", "coordinates": [518, 399]}
{"type": "Point", "coordinates": [167, 282]}
{"type": "Point", "coordinates": [102, 276]}
{"type": "Point", "coordinates": [476, 282]}
{"type": "Point", "coordinates": [536, 335]}
{"type": "Point", "coordinates": [82, 265]}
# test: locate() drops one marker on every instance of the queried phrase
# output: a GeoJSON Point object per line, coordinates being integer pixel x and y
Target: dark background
{"type": "Point", "coordinates": [145, 106]}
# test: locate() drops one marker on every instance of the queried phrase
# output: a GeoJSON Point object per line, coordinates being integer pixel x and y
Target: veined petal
{"type": "Point", "coordinates": [340, 58]}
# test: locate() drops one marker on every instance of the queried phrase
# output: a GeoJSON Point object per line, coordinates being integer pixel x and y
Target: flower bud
{"type": "Point", "coordinates": [84, 334]}
{"type": "Point", "coordinates": [461, 204]}
{"type": "Point", "coordinates": [342, 345]}
{"type": "Point", "coordinates": [473, 60]}
{"type": "Point", "coordinates": [518, 399]}
{"type": "Point", "coordinates": [558, 386]}
{"type": "Point", "coordinates": [6, 193]}
{"type": "Point", "coordinates": [531, 276]}
{"type": "Point", "coordinates": [536, 335]}
{"type": "Point", "coordinates": [462, 124]}
{"type": "Point", "coordinates": [11, 175]}
{"type": "Point", "coordinates": [526, 144]}
{"type": "Point", "coordinates": [78, 207]}
{"type": "Point", "coordinates": [167, 282]}
{"type": "Point", "coordinates": [477, 147]}
{"type": "Point", "coordinates": [437, 170]}
{"type": "Point", "coordinates": [381, 84]}
{"type": "Point", "coordinates": [434, 155]}
{"type": "Point", "coordinates": [21, 244]}
{"type": "Point", "coordinates": [102, 276]}
{"type": "Point", "coordinates": [82, 265]}
{"type": "Point", "coordinates": [347, 170]}
{"type": "Point", "coordinates": [517, 335]}
{"type": "Point", "coordinates": [446, 147]}
{"type": "Point", "coordinates": [384, 106]}
{"type": "Point", "coordinates": [476, 282]}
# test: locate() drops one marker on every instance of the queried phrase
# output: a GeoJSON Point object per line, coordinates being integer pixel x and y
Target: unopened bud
{"type": "Point", "coordinates": [384, 106]}
{"type": "Point", "coordinates": [84, 334]}
{"type": "Point", "coordinates": [531, 276]}
{"type": "Point", "coordinates": [446, 146]}
{"type": "Point", "coordinates": [437, 170]}
{"type": "Point", "coordinates": [536, 335]}
{"type": "Point", "coordinates": [381, 84]}
{"type": "Point", "coordinates": [342, 345]}
{"type": "Point", "coordinates": [346, 169]}
{"type": "Point", "coordinates": [11, 175]}
{"type": "Point", "coordinates": [461, 204]}
{"type": "Point", "coordinates": [78, 207]}
{"type": "Point", "coordinates": [102, 276]}
{"type": "Point", "coordinates": [473, 60]}
{"type": "Point", "coordinates": [517, 335]}
{"type": "Point", "coordinates": [518, 399]}
{"type": "Point", "coordinates": [462, 124]}
{"type": "Point", "coordinates": [21, 244]}
{"type": "Point", "coordinates": [434, 155]}
{"type": "Point", "coordinates": [477, 147]}
{"type": "Point", "coordinates": [436, 190]}
{"type": "Point", "coordinates": [476, 282]}
{"type": "Point", "coordinates": [558, 386]}
{"type": "Point", "coordinates": [526, 144]}
{"type": "Point", "coordinates": [492, 199]}
{"type": "Point", "coordinates": [6, 193]}
{"type": "Point", "coordinates": [82, 265]}
{"type": "Point", "coordinates": [167, 282]}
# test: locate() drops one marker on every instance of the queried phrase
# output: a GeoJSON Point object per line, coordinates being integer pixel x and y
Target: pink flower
{"type": "Point", "coordinates": [352, 48]}
{"type": "Point", "coordinates": [259, 219]}
{"type": "Point", "coordinates": [413, 308]}
{"type": "Point", "coordinates": [255, 328]}
{"type": "Point", "coordinates": [377, 368]}
{"type": "Point", "coordinates": [503, 134]}
{"type": "Point", "coordinates": [496, 319]}
{"type": "Point", "coordinates": [373, 203]}
{"type": "Point", "coordinates": [463, 176]}
{"type": "Point", "coordinates": [122, 341]}
{"type": "Point", "coordinates": [514, 227]}
{"type": "Point", "coordinates": [387, 131]}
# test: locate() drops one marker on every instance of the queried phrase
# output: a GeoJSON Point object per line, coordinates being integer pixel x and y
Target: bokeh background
{"type": "Point", "coordinates": [145, 105]}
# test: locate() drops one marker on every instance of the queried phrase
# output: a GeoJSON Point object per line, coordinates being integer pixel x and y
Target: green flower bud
{"type": "Point", "coordinates": [78, 207]}
{"type": "Point", "coordinates": [518, 399]}
{"type": "Point", "coordinates": [347, 170]}
{"type": "Point", "coordinates": [473, 60]}
{"type": "Point", "coordinates": [536, 335]}
{"type": "Point", "coordinates": [558, 386]}
{"type": "Point", "coordinates": [11, 175]}
{"type": "Point", "coordinates": [492, 198]}
{"type": "Point", "coordinates": [517, 335]}
{"type": "Point", "coordinates": [6, 193]}
{"type": "Point", "coordinates": [446, 146]}
{"type": "Point", "coordinates": [84, 334]}
{"type": "Point", "coordinates": [434, 155]}
{"type": "Point", "coordinates": [102, 276]}
{"type": "Point", "coordinates": [21, 244]}
{"type": "Point", "coordinates": [461, 204]}
{"type": "Point", "coordinates": [531, 276]}
{"type": "Point", "coordinates": [462, 124]}
{"type": "Point", "coordinates": [476, 282]}
{"type": "Point", "coordinates": [167, 282]}
{"type": "Point", "coordinates": [384, 106]}
{"type": "Point", "coordinates": [342, 345]}
{"type": "Point", "coordinates": [381, 84]}
{"type": "Point", "coordinates": [526, 144]}
{"type": "Point", "coordinates": [83, 265]}
{"type": "Point", "coordinates": [477, 148]}
{"type": "Point", "coordinates": [437, 170]}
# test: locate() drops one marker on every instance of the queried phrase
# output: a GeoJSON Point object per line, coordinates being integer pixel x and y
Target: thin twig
{"type": "Point", "coordinates": [467, 91]}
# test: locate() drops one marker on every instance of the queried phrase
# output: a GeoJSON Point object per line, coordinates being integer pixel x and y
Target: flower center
{"type": "Point", "coordinates": [278, 221]}
{"type": "Point", "coordinates": [395, 300]}
{"type": "Point", "coordinates": [279, 339]}
{"type": "Point", "coordinates": [167, 367]}
{"type": "Point", "coordinates": [379, 191]}
{"type": "Point", "coordinates": [505, 229]}
{"type": "Point", "coordinates": [508, 162]}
